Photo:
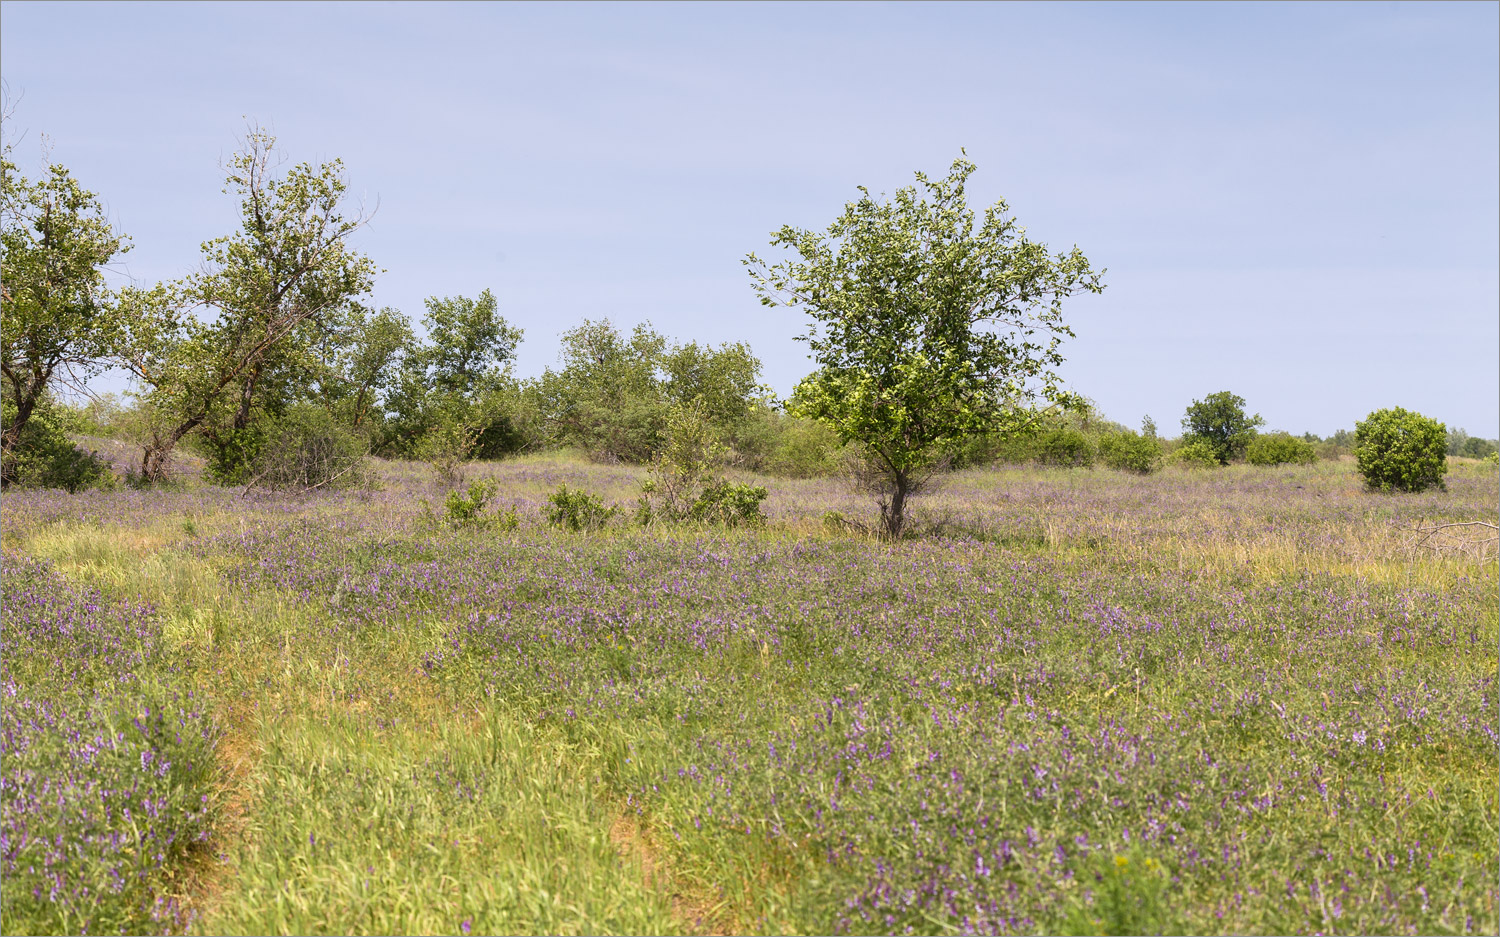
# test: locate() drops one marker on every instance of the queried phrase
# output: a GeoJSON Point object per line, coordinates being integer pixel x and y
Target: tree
{"type": "Point", "coordinates": [60, 321]}
{"type": "Point", "coordinates": [457, 385]}
{"type": "Point", "coordinates": [723, 382]}
{"type": "Point", "coordinates": [607, 398]}
{"type": "Point", "coordinates": [269, 289]}
{"type": "Point", "coordinates": [1402, 450]}
{"type": "Point", "coordinates": [470, 343]}
{"type": "Point", "coordinates": [364, 361]}
{"type": "Point", "coordinates": [924, 329]}
{"type": "Point", "coordinates": [1219, 420]}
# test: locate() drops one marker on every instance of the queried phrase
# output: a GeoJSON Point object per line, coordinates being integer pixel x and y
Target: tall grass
{"type": "Point", "coordinates": [1236, 701]}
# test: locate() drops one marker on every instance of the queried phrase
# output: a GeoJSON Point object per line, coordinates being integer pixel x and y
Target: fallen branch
{"type": "Point", "coordinates": [1423, 536]}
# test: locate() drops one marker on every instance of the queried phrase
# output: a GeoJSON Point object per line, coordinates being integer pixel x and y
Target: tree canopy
{"type": "Point", "coordinates": [927, 325]}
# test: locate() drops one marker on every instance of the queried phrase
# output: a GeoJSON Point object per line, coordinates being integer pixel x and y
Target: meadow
{"type": "Point", "coordinates": [1249, 700]}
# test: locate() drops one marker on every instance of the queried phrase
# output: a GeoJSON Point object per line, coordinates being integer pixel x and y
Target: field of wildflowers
{"type": "Point", "coordinates": [1243, 701]}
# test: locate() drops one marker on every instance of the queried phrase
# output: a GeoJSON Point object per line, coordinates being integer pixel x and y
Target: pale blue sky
{"type": "Point", "coordinates": [1299, 203]}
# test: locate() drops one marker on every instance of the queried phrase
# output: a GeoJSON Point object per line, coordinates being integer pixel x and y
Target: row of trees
{"type": "Point", "coordinates": [274, 338]}
{"type": "Point", "coordinates": [936, 335]}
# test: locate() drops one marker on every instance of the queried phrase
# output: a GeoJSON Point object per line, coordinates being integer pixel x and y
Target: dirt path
{"type": "Point", "coordinates": [696, 915]}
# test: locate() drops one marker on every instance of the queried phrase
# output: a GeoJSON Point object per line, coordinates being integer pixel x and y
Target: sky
{"type": "Point", "coordinates": [1298, 203]}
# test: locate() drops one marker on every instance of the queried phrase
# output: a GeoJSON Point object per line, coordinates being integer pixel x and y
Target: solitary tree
{"type": "Point", "coordinates": [925, 328]}
{"type": "Point", "coordinates": [59, 319]}
{"type": "Point", "coordinates": [1220, 421]}
{"type": "Point", "coordinates": [266, 288]}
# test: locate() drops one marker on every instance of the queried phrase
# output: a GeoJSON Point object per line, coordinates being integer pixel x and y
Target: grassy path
{"type": "Point", "coordinates": [336, 753]}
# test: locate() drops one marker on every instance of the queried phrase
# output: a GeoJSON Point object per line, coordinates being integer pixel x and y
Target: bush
{"type": "Point", "coordinates": [779, 444]}
{"type": "Point", "coordinates": [307, 449]}
{"type": "Point", "coordinates": [1402, 450]}
{"type": "Point", "coordinates": [44, 457]}
{"type": "Point", "coordinates": [578, 510]}
{"type": "Point", "coordinates": [1066, 446]}
{"type": "Point", "coordinates": [1130, 452]}
{"type": "Point", "coordinates": [467, 510]}
{"type": "Point", "coordinates": [1196, 454]}
{"type": "Point", "coordinates": [1280, 449]}
{"type": "Point", "coordinates": [729, 504]}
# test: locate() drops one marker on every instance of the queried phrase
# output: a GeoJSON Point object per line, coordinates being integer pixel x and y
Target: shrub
{"type": "Point", "coordinates": [1130, 452]}
{"type": "Point", "coordinates": [467, 510]}
{"type": "Point", "coordinates": [1196, 454]}
{"type": "Point", "coordinates": [729, 504]}
{"type": "Point", "coordinates": [307, 449]}
{"type": "Point", "coordinates": [578, 510]}
{"type": "Point", "coordinates": [685, 483]}
{"type": "Point", "coordinates": [776, 443]}
{"type": "Point", "coordinates": [1280, 449]}
{"type": "Point", "coordinates": [44, 457]}
{"type": "Point", "coordinates": [1066, 446]}
{"type": "Point", "coordinates": [1402, 450]}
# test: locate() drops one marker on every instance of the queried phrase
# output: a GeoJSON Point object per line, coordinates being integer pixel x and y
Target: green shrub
{"type": "Point", "coordinates": [776, 443]}
{"type": "Point", "coordinates": [1195, 454]}
{"type": "Point", "coordinates": [1066, 446]}
{"type": "Point", "coordinates": [307, 449]}
{"type": "Point", "coordinates": [729, 504]}
{"type": "Point", "coordinates": [1130, 452]}
{"type": "Point", "coordinates": [578, 510]}
{"type": "Point", "coordinates": [1402, 450]}
{"type": "Point", "coordinates": [466, 510]}
{"type": "Point", "coordinates": [1280, 449]}
{"type": "Point", "coordinates": [44, 457]}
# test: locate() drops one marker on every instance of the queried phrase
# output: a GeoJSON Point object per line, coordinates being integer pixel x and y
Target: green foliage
{"type": "Point", "coordinates": [270, 290]}
{"type": "Point", "coordinates": [1130, 452]}
{"type": "Point", "coordinates": [1066, 447]}
{"type": "Point", "coordinates": [772, 442]}
{"type": "Point", "coordinates": [1220, 421]}
{"type": "Point", "coordinates": [453, 399]}
{"type": "Point", "coordinates": [924, 329]}
{"type": "Point", "coordinates": [730, 505]}
{"type": "Point", "coordinates": [1280, 449]}
{"type": "Point", "coordinates": [1195, 454]}
{"type": "Point", "coordinates": [60, 319]}
{"type": "Point", "coordinates": [44, 457]}
{"type": "Point", "coordinates": [685, 481]}
{"type": "Point", "coordinates": [721, 381]}
{"type": "Point", "coordinates": [606, 399]}
{"type": "Point", "coordinates": [366, 353]}
{"type": "Point", "coordinates": [471, 343]}
{"type": "Point", "coordinates": [614, 395]}
{"type": "Point", "coordinates": [1401, 450]}
{"type": "Point", "coordinates": [578, 510]}
{"type": "Point", "coordinates": [1476, 448]}
{"type": "Point", "coordinates": [466, 510]}
{"type": "Point", "coordinates": [307, 449]}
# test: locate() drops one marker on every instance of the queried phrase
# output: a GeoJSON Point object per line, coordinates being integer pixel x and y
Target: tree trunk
{"type": "Point", "coordinates": [12, 434]}
{"type": "Point", "coordinates": [893, 514]}
{"type": "Point", "coordinates": [156, 452]}
{"type": "Point", "coordinates": [247, 392]}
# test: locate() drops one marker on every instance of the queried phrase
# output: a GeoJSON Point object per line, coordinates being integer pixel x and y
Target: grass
{"type": "Point", "coordinates": [1235, 701]}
